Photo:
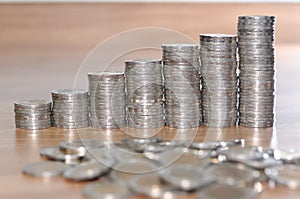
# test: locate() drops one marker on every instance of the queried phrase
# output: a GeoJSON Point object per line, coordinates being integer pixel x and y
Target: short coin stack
{"type": "Point", "coordinates": [70, 108]}
{"type": "Point", "coordinates": [33, 114]}
{"type": "Point", "coordinates": [219, 79]}
{"type": "Point", "coordinates": [107, 99]}
{"type": "Point", "coordinates": [144, 93]}
{"type": "Point", "coordinates": [182, 85]}
{"type": "Point", "coordinates": [256, 57]}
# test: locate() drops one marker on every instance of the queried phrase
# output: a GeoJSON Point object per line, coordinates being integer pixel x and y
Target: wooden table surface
{"type": "Point", "coordinates": [34, 71]}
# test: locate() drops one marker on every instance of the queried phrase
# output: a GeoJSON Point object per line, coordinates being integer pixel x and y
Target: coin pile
{"type": "Point", "coordinates": [227, 167]}
{"type": "Point", "coordinates": [70, 108]}
{"type": "Point", "coordinates": [33, 114]}
{"type": "Point", "coordinates": [256, 65]}
{"type": "Point", "coordinates": [219, 79]}
{"type": "Point", "coordinates": [107, 99]}
{"type": "Point", "coordinates": [182, 85]}
{"type": "Point", "coordinates": [144, 93]}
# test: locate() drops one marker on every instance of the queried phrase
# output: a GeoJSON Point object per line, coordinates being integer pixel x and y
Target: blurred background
{"type": "Point", "coordinates": [43, 43]}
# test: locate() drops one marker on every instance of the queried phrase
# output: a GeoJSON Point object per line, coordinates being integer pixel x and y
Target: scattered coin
{"type": "Point", "coordinates": [80, 146]}
{"type": "Point", "coordinates": [217, 191]}
{"type": "Point", "coordinates": [44, 169]}
{"type": "Point", "coordinates": [150, 185]}
{"type": "Point", "coordinates": [234, 174]}
{"type": "Point", "coordinates": [106, 190]}
{"type": "Point", "coordinates": [286, 174]}
{"type": "Point", "coordinates": [187, 177]}
{"type": "Point", "coordinates": [86, 171]}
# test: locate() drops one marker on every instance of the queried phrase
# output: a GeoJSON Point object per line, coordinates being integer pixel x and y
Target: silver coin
{"type": "Point", "coordinates": [149, 185]}
{"type": "Point", "coordinates": [218, 191]}
{"type": "Point", "coordinates": [54, 153]}
{"type": "Point", "coordinates": [127, 169]}
{"type": "Point", "coordinates": [79, 146]}
{"type": "Point", "coordinates": [44, 169]}
{"type": "Point", "coordinates": [234, 174]}
{"type": "Point", "coordinates": [187, 177]}
{"type": "Point", "coordinates": [287, 175]}
{"type": "Point", "coordinates": [106, 190]}
{"type": "Point", "coordinates": [84, 172]}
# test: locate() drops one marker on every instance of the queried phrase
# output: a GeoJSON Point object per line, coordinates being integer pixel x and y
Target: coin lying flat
{"type": "Point", "coordinates": [182, 156]}
{"type": "Point", "coordinates": [106, 190]}
{"type": "Point", "coordinates": [286, 174]}
{"type": "Point", "coordinates": [242, 153]}
{"type": "Point", "coordinates": [217, 191]}
{"type": "Point", "coordinates": [79, 146]}
{"type": "Point", "coordinates": [44, 169]}
{"type": "Point", "coordinates": [234, 174]}
{"type": "Point", "coordinates": [124, 171]}
{"type": "Point", "coordinates": [54, 153]}
{"type": "Point", "coordinates": [187, 177]}
{"type": "Point", "coordinates": [287, 155]}
{"type": "Point", "coordinates": [86, 171]}
{"type": "Point", "coordinates": [150, 185]}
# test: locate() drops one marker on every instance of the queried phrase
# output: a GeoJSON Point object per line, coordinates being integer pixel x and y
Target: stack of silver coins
{"type": "Point", "coordinates": [33, 114]}
{"type": "Point", "coordinates": [219, 79]}
{"type": "Point", "coordinates": [256, 65]}
{"type": "Point", "coordinates": [70, 108]}
{"type": "Point", "coordinates": [182, 85]}
{"type": "Point", "coordinates": [144, 93]}
{"type": "Point", "coordinates": [107, 99]}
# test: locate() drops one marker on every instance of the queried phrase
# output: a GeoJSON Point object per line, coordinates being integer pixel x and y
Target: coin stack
{"type": "Point", "coordinates": [33, 114]}
{"type": "Point", "coordinates": [219, 79]}
{"type": "Point", "coordinates": [144, 93]}
{"type": "Point", "coordinates": [182, 85]}
{"type": "Point", "coordinates": [256, 65]}
{"type": "Point", "coordinates": [70, 108]}
{"type": "Point", "coordinates": [107, 99]}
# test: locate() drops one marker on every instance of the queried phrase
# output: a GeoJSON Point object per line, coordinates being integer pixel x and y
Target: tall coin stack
{"type": "Point", "coordinates": [144, 93]}
{"type": "Point", "coordinates": [107, 99]}
{"type": "Point", "coordinates": [70, 108]}
{"type": "Point", "coordinates": [256, 65]}
{"type": "Point", "coordinates": [182, 85]}
{"type": "Point", "coordinates": [33, 114]}
{"type": "Point", "coordinates": [219, 79]}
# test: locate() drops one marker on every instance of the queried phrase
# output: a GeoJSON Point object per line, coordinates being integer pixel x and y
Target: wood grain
{"type": "Point", "coordinates": [42, 46]}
